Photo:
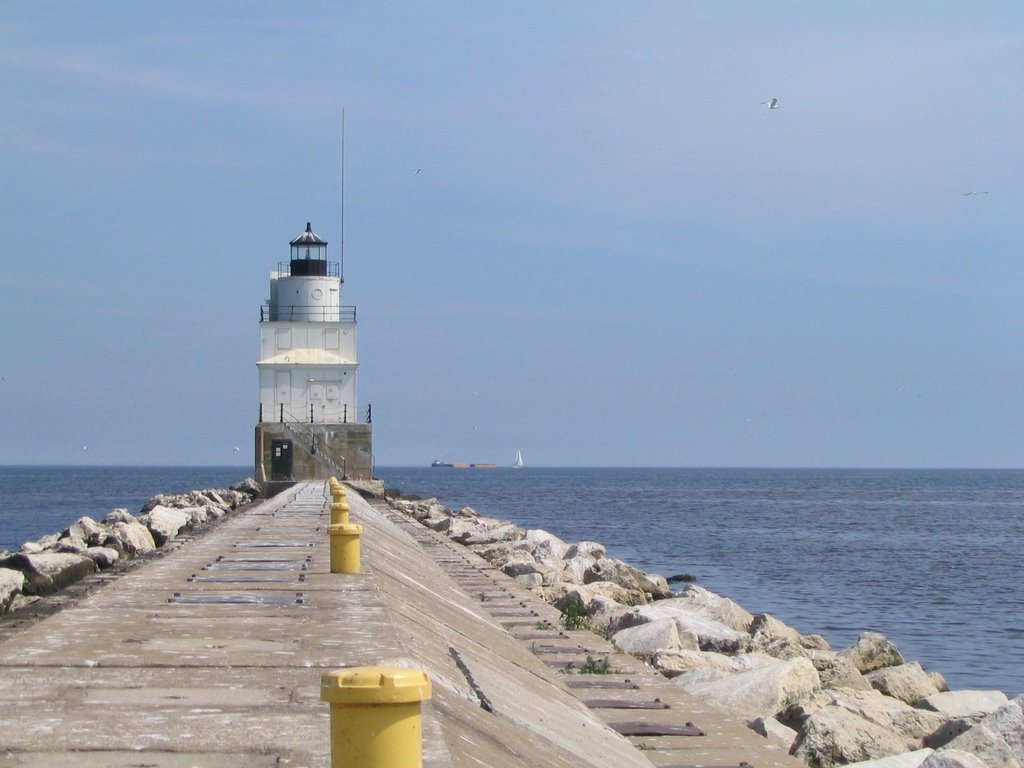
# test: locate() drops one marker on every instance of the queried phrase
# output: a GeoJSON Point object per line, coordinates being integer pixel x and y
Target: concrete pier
{"type": "Point", "coordinates": [212, 655]}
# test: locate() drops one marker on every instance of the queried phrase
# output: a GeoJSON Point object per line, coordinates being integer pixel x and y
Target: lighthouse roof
{"type": "Point", "coordinates": [309, 237]}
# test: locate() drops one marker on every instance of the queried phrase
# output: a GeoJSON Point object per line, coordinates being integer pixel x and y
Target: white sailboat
{"type": "Point", "coordinates": [518, 463]}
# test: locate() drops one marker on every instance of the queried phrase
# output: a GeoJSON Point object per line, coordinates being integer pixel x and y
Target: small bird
{"type": "Point", "coordinates": [419, 171]}
{"type": "Point", "coordinates": [771, 103]}
{"type": "Point", "coordinates": [235, 449]}
{"type": "Point", "coordinates": [975, 192]}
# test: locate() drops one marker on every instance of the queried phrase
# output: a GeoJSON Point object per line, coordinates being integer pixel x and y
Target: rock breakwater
{"type": "Point", "coordinates": [48, 564]}
{"type": "Point", "coordinates": [864, 705]}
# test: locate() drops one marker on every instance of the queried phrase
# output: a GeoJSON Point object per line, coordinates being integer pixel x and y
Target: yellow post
{"type": "Point", "coordinates": [376, 719]}
{"type": "Point", "coordinates": [345, 547]}
{"type": "Point", "coordinates": [339, 512]}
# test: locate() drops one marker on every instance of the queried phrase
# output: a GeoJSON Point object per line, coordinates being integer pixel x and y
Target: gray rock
{"type": "Point", "coordinates": [998, 738]}
{"type": "Point", "coordinates": [87, 529]}
{"type": "Point", "coordinates": [248, 487]}
{"type": "Point", "coordinates": [48, 572]}
{"type": "Point", "coordinates": [847, 726]}
{"type": "Point", "coordinates": [104, 557]}
{"type": "Point", "coordinates": [574, 568]}
{"type": "Point", "coordinates": [721, 609]}
{"type": "Point", "coordinates": [43, 544]}
{"type": "Point", "coordinates": [71, 544]}
{"type": "Point", "coordinates": [546, 546]}
{"type": "Point", "coordinates": [906, 682]}
{"type": "Point", "coordinates": [132, 538]}
{"type": "Point", "coordinates": [591, 549]}
{"type": "Point", "coordinates": [491, 534]}
{"type": "Point", "coordinates": [970, 704]}
{"type": "Point", "coordinates": [650, 638]}
{"type": "Point", "coordinates": [712, 635]}
{"type": "Point", "coordinates": [12, 582]}
{"type": "Point", "coordinates": [872, 651]}
{"type": "Point", "coordinates": [759, 692]}
{"type": "Point", "coordinates": [165, 523]}
{"type": "Point", "coordinates": [119, 515]}
{"type": "Point", "coordinates": [954, 758]}
{"type": "Point", "coordinates": [675, 663]}
{"type": "Point", "coordinates": [836, 671]}
{"type": "Point", "coordinates": [904, 760]}
{"type": "Point", "coordinates": [610, 569]}
{"type": "Point", "coordinates": [530, 580]}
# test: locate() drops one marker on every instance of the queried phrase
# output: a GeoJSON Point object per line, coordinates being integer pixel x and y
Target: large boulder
{"type": "Point", "coordinates": [488, 534]}
{"type": "Point", "coordinates": [131, 537]}
{"type": "Point", "coordinates": [104, 557]}
{"type": "Point", "coordinates": [973, 704]}
{"type": "Point", "coordinates": [903, 760]}
{"type": "Point", "coordinates": [248, 487]}
{"type": "Point", "coordinates": [648, 639]}
{"type": "Point", "coordinates": [591, 549]}
{"type": "Point", "coordinates": [721, 609]}
{"type": "Point", "coordinates": [847, 726]}
{"type": "Point", "coordinates": [164, 523]}
{"type": "Point", "coordinates": [48, 572]}
{"type": "Point", "coordinates": [87, 529]}
{"type": "Point", "coordinates": [836, 671]}
{"type": "Point", "coordinates": [759, 692]}
{"type": "Point", "coordinates": [119, 515]}
{"type": "Point", "coordinates": [575, 568]}
{"type": "Point", "coordinates": [610, 569]}
{"type": "Point", "coordinates": [12, 582]}
{"type": "Point", "coordinates": [955, 758]}
{"type": "Point", "coordinates": [872, 651]}
{"type": "Point", "coordinates": [906, 682]}
{"type": "Point", "coordinates": [712, 635]}
{"type": "Point", "coordinates": [546, 547]}
{"type": "Point", "coordinates": [586, 594]}
{"type": "Point", "coordinates": [998, 738]}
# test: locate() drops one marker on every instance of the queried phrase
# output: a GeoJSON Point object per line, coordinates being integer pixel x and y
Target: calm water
{"type": "Point", "coordinates": [932, 559]}
{"type": "Point", "coordinates": [38, 500]}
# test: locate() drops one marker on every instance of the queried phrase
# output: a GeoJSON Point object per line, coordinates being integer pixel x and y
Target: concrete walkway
{"type": "Point", "coordinates": [212, 654]}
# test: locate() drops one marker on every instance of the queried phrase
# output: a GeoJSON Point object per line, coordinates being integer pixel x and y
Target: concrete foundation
{"type": "Point", "coordinates": [317, 452]}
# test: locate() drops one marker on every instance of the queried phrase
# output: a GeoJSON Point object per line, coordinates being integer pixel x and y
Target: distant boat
{"type": "Point", "coordinates": [518, 463]}
{"type": "Point", "coordinates": [439, 463]}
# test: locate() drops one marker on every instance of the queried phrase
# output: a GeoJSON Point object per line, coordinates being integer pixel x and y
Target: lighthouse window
{"type": "Point", "coordinates": [331, 338]}
{"type": "Point", "coordinates": [284, 338]}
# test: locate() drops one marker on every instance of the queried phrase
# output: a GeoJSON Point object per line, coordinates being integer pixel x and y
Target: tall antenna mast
{"type": "Point", "coordinates": [342, 275]}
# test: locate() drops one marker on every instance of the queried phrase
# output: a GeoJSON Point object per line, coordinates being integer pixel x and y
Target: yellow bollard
{"type": "Point", "coordinates": [345, 547]}
{"type": "Point", "coordinates": [376, 719]}
{"type": "Point", "coordinates": [339, 512]}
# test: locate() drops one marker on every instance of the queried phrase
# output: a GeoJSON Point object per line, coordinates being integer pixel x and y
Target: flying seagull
{"type": "Point", "coordinates": [976, 192]}
{"type": "Point", "coordinates": [771, 103]}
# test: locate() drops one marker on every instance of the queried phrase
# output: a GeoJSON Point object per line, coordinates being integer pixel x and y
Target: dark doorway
{"type": "Point", "coordinates": [280, 459]}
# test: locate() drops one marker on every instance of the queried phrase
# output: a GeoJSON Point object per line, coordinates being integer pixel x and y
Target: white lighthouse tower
{"type": "Point", "coordinates": [309, 424]}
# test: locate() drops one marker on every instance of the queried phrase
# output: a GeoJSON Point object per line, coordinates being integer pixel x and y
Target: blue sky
{"type": "Point", "coordinates": [614, 255]}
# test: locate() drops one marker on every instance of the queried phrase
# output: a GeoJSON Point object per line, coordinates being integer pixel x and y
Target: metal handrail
{"type": "Point", "coordinates": [300, 432]}
{"type": "Point", "coordinates": [298, 312]}
{"type": "Point", "coordinates": [335, 415]}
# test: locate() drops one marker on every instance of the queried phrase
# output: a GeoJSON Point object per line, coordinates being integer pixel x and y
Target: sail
{"type": "Point", "coordinates": [518, 463]}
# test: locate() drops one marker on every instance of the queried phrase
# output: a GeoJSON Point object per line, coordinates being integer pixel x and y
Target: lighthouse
{"type": "Point", "coordinates": [309, 425]}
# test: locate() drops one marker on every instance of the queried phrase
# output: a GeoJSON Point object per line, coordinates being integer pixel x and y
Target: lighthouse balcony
{"type": "Point", "coordinates": [305, 312]}
{"type": "Point", "coordinates": [309, 268]}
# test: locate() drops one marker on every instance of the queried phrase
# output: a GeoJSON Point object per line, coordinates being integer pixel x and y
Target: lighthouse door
{"type": "Point", "coordinates": [280, 459]}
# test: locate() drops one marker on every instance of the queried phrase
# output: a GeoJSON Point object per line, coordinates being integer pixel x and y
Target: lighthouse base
{"type": "Point", "coordinates": [293, 451]}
